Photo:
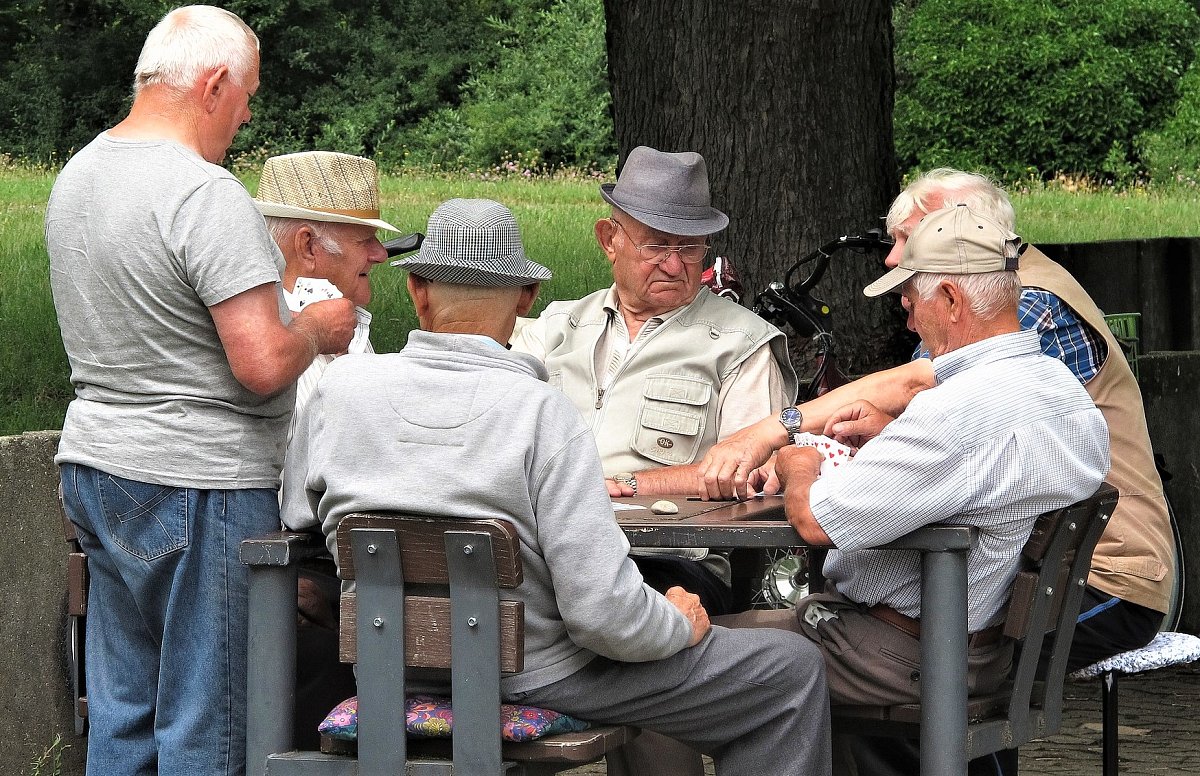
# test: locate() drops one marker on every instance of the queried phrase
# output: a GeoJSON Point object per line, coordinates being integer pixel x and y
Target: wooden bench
{"type": "Point", "coordinates": [1044, 605]}
{"type": "Point", "coordinates": [427, 596]}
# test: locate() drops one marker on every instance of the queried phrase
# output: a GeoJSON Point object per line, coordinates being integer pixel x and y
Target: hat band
{"type": "Point", "coordinates": [353, 213]}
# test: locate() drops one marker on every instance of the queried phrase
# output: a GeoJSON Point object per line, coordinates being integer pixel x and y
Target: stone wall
{"type": "Point", "coordinates": [35, 705]}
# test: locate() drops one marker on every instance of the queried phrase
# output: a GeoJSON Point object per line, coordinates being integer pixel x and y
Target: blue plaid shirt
{"type": "Point", "coordinates": [1063, 335]}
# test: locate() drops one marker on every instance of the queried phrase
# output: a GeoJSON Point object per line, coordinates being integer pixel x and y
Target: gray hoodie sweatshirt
{"type": "Point", "coordinates": [454, 424]}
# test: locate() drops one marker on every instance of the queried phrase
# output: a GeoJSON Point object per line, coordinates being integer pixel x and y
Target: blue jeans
{"type": "Point", "coordinates": [166, 621]}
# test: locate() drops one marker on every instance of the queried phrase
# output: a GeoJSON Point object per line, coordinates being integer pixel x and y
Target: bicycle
{"type": "Point", "coordinates": [787, 572]}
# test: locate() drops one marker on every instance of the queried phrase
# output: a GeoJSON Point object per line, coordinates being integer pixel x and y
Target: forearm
{"type": "Point", "coordinates": [800, 516]}
{"type": "Point", "coordinates": [890, 390]}
{"type": "Point", "coordinates": [282, 357]}
{"type": "Point", "coordinates": [668, 480]}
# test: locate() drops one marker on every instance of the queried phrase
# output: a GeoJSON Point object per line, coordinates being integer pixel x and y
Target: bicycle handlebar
{"type": "Point", "coordinates": [404, 244]}
{"type": "Point", "coordinates": [792, 302]}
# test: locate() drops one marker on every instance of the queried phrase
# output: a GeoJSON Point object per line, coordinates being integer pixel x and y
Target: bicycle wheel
{"type": "Point", "coordinates": [784, 579]}
{"type": "Point", "coordinates": [1178, 588]}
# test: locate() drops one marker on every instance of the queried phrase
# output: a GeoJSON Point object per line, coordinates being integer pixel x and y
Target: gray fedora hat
{"type": "Point", "coordinates": [667, 192]}
{"type": "Point", "coordinates": [473, 242]}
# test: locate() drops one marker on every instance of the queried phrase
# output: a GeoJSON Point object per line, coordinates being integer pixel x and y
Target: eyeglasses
{"type": "Point", "coordinates": [657, 254]}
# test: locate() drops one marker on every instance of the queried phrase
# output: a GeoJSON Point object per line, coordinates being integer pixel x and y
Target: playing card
{"type": "Point", "coordinates": [362, 331]}
{"type": "Point", "coordinates": [835, 452]}
{"type": "Point", "coordinates": [308, 290]}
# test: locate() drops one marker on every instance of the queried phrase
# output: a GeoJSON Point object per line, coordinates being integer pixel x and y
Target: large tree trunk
{"type": "Point", "coordinates": [790, 103]}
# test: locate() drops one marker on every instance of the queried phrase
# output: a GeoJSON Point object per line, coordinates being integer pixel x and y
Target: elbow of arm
{"type": "Point", "coordinates": [259, 380]}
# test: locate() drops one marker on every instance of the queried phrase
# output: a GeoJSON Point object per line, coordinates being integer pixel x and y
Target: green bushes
{"type": "Point", "coordinates": [1024, 87]}
{"type": "Point", "coordinates": [545, 102]}
{"type": "Point", "coordinates": [1172, 154]}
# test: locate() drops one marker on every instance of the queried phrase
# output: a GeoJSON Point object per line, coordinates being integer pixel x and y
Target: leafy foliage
{"type": "Point", "coordinates": [1172, 153]}
{"type": "Point", "coordinates": [1032, 86]}
{"type": "Point", "coordinates": [546, 101]}
{"type": "Point", "coordinates": [336, 74]}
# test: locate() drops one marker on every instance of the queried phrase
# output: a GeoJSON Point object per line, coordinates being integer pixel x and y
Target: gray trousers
{"type": "Point", "coordinates": [754, 700]}
{"type": "Point", "coordinates": [867, 661]}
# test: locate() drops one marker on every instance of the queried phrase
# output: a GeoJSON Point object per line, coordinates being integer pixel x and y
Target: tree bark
{"type": "Point", "coordinates": [790, 103]}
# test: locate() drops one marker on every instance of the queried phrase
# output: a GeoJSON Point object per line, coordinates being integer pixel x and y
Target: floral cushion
{"type": "Point", "coordinates": [428, 716]}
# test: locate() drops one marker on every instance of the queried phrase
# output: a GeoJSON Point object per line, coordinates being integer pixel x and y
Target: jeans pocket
{"type": "Point", "coordinates": [148, 521]}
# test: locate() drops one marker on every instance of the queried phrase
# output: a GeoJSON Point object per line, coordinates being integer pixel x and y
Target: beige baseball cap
{"type": "Point", "coordinates": [953, 241]}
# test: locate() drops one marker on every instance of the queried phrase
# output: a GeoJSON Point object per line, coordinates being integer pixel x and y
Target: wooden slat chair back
{"type": "Point", "coordinates": [1043, 608]}
{"type": "Point", "coordinates": [427, 595]}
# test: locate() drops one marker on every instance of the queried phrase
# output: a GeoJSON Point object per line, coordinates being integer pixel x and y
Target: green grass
{"type": "Point", "coordinates": [556, 218]}
{"type": "Point", "coordinates": [1058, 214]}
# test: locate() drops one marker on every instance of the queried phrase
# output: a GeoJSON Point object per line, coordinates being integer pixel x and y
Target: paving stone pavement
{"type": "Point", "coordinates": [1159, 729]}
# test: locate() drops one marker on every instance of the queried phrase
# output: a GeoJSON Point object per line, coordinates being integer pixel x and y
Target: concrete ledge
{"type": "Point", "coordinates": [35, 706]}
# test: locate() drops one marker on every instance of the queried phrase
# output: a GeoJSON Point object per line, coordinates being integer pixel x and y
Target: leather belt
{"type": "Point", "coordinates": [912, 627]}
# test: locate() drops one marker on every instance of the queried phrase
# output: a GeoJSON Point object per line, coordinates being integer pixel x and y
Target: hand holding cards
{"type": "Point", "coordinates": [333, 327]}
{"type": "Point", "coordinates": [307, 290]}
{"type": "Point", "coordinates": [834, 453]}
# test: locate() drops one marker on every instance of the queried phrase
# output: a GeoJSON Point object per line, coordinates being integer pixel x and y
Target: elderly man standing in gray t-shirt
{"type": "Point", "coordinates": [166, 285]}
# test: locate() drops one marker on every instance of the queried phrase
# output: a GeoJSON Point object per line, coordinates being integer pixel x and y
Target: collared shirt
{"type": "Point", "coordinates": [742, 400]}
{"type": "Point", "coordinates": [359, 343]}
{"type": "Point", "coordinates": [1063, 335]}
{"type": "Point", "coordinates": [1005, 435]}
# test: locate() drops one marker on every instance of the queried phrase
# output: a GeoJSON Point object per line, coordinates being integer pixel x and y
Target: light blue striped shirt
{"type": "Point", "coordinates": [1005, 435]}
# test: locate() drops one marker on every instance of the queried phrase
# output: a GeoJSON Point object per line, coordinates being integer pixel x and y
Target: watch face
{"type": "Point", "coordinates": [790, 416]}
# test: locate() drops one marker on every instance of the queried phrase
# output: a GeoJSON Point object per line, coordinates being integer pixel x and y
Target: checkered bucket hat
{"type": "Point", "coordinates": [473, 242]}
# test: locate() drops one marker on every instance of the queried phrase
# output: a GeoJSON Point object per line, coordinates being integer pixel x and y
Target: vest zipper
{"type": "Point", "coordinates": [600, 398]}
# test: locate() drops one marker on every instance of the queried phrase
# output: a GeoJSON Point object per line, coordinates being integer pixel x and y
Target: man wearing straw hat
{"type": "Point", "coordinates": [660, 367]}
{"type": "Point", "coordinates": [456, 422]}
{"type": "Point", "coordinates": [322, 209]}
{"type": "Point", "coordinates": [166, 286]}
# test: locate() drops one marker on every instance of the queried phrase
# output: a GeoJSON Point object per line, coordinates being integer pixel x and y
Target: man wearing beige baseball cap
{"type": "Point", "coordinates": [1005, 434]}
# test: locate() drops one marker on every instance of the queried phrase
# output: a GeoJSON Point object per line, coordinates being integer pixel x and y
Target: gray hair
{"type": "Point", "coordinates": [283, 229]}
{"type": "Point", "coordinates": [946, 187]}
{"type": "Point", "coordinates": [192, 40]}
{"type": "Point", "coordinates": [988, 294]}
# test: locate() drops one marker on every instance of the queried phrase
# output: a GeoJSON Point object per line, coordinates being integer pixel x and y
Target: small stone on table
{"type": "Point", "coordinates": [664, 507]}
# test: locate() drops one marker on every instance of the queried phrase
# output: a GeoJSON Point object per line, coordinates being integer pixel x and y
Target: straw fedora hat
{"type": "Point", "coordinates": [665, 191]}
{"type": "Point", "coordinates": [321, 186]}
{"type": "Point", "coordinates": [473, 242]}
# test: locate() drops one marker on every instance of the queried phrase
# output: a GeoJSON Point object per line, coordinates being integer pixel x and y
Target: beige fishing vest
{"type": "Point", "coordinates": [661, 407]}
{"type": "Point", "coordinates": [1135, 557]}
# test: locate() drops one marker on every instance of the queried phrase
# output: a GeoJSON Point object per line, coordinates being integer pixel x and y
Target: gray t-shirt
{"type": "Point", "coordinates": [145, 236]}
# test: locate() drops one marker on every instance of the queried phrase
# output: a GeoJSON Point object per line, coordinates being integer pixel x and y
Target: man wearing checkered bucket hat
{"type": "Point", "coordinates": [457, 422]}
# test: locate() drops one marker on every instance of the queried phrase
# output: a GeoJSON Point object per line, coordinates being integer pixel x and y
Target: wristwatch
{"type": "Point", "coordinates": [626, 478]}
{"type": "Point", "coordinates": [792, 419]}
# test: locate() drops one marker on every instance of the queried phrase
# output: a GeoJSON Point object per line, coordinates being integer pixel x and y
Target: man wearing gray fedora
{"type": "Point", "coordinates": [660, 367]}
{"type": "Point", "coordinates": [456, 422]}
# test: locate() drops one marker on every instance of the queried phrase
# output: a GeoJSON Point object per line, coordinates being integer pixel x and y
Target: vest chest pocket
{"type": "Point", "coordinates": [671, 422]}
